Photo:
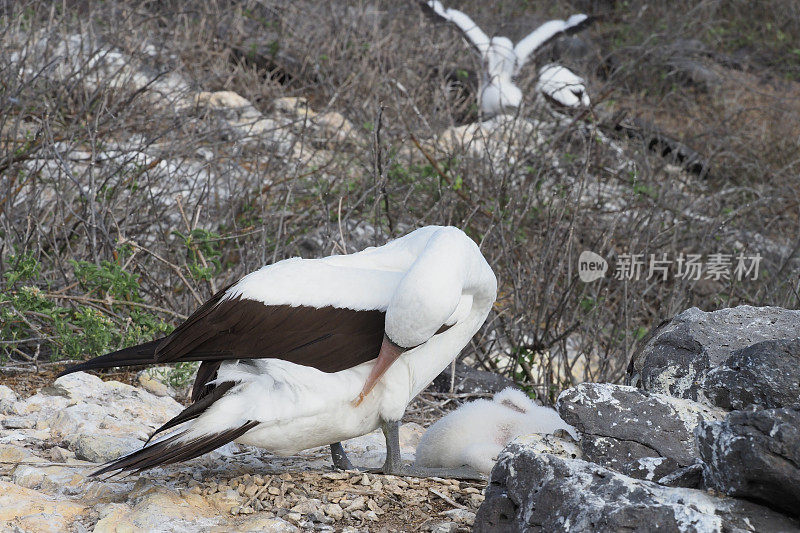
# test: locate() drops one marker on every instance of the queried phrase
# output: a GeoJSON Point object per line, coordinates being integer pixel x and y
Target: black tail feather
{"type": "Point", "coordinates": [141, 354]}
{"type": "Point", "coordinates": [196, 409]}
{"type": "Point", "coordinates": [171, 450]}
{"type": "Point", "coordinates": [207, 372]}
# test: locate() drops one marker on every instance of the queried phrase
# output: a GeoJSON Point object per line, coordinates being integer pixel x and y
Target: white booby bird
{"type": "Point", "coordinates": [562, 86]}
{"type": "Point", "coordinates": [475, 433]}
{"type": "Point", "coordinates": [309, 352]}
{"type": "Point", "coordinates": [502, 60]}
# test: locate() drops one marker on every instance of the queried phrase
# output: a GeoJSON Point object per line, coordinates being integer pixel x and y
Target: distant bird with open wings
{"type": "Point", "coordinates": [502, 60]}
{"type": "Point", "coordinates": [310, 352]}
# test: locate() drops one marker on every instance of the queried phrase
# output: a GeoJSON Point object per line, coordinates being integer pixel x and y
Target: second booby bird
{"type": "Point", "coordinates": [502, 60]}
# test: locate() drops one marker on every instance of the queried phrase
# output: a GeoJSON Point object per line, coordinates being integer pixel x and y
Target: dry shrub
{"type": "Point", "coordinates": [93, 162]}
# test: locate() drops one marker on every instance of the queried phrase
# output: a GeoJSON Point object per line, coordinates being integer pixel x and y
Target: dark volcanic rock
{"type": "Point", "coordinates": [679, 353]}
{"type": "Point", "coordinates": [628, 457]}
{"type": "Point", "coordinates": [689, 476]}
{"type": "Point", "coordinates": [540, 492]}
{"type": "Point", "coordinates": [471, 380]}
{"type": "Point", "coordinates": [765, 375]}
{"type": "Point", "coordinates": [755, 455]}
{"type": "Point", "coordinates": [641, 434]}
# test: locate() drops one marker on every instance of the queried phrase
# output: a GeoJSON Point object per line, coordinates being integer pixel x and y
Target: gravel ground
{"type": "Point", "coordinates": [239, 490]}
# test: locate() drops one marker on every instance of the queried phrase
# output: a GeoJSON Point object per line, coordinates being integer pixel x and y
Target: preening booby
{"type": "Point", "coordinates": [310, 352]}
{"type": "Point", "coordinates": [502, 60]}
{"type": "Point", "coordinates": [475, 433]}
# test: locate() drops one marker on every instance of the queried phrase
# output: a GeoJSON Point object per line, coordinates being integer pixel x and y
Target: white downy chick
{"type": "Point", "coordinates": [475, 433]}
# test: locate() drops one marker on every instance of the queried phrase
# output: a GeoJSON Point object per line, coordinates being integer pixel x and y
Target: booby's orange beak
{"type": "Point", "coordinates": [388, 355]}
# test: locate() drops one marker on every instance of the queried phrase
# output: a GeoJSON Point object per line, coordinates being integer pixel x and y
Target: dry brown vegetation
{"type": "Point", "coordinates": [127, 197]}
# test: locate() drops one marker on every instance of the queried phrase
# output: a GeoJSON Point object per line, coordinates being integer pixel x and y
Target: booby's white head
{"type": "Point", "coordinates": [427, 297]}
{"type": "Point", "coordinates": [447, 280]}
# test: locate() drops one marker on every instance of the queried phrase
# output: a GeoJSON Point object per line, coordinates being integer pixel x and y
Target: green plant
{"type": "Point", "coordinates": [176, 376]}
{"type": "Point", "coordinates": [202, 252]}
{"type": "Point", "coordinates": [92, 324]}
{"type": "Point", "coordinates": [645, 190]}
{"type": "Point", "coordinates": [24, 267]}
{"type": "Point", "coordinates": [587, 304]}
{"type": "Point", "coordinates": [640, 333]}
{"type": "Point", "coordinates": [107, 277]}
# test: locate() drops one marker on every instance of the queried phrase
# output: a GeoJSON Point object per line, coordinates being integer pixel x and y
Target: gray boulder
{"type": "Point", "coordinates": [539, 492]}
{"type": "Point", "coordinates": [755, 455]}
{"type": "Point", "coordinates": [765, 375]}
{"type": "Point", "coordinates": [680, 353]}
{"type": "Point", "coordinates": [102, 448]}
{"type": "Point", "coordinates": [643, 435]}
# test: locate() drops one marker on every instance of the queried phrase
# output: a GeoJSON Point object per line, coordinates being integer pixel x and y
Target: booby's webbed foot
{"type": "Point", "coordinates": [340, 460]}
{"type": "Point", "coordinates": [394, 464]}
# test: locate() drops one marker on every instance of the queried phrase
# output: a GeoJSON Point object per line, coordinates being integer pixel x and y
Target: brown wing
{"type": "Point", "coordinates": [328, 338]}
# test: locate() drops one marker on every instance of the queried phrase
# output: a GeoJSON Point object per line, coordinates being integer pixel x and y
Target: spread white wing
{"type": "Point", "coordinates": [462, 21]}
{"type": "Point", "coordinates": [545, 33]}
